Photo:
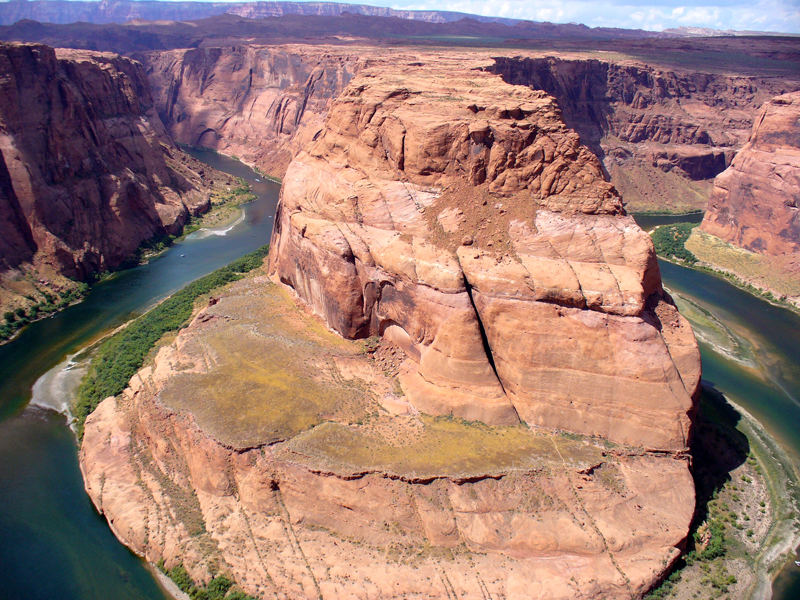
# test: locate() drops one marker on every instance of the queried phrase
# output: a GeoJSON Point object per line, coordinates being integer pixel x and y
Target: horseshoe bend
{"type": "Point", "coordinates": [457, 374]}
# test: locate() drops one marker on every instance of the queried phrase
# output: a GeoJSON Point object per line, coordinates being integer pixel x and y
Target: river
{"type": "Point", "coordinates": [751, 353]}
{"type": "Point", "coordinates": [54, 545]}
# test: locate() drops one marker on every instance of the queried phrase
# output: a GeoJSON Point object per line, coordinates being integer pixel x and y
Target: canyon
{"type": "Point", "coordinates": [87, 170]}
{"type": "Point", "coordinates": [525, 392]}
{"type": "Point", "coordinates": [460, 342]}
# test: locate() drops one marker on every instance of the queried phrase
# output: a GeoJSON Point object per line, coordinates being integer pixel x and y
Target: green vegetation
{"type": "Point", "coordinates": [121, 355]}
{"type": "Point", "coordinates": [219, 588]}
{"type": "Point", "coordinates": [669, 241]}
{"type": "Point", "coordinates": [732, 529]}
{"type": "Point", "coordinates": [49, 303]}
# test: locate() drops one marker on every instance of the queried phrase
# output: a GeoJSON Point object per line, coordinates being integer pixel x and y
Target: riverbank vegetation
{"type": "Point", "coordinates": [670, 240]}
{"type": "Point", "coordinates": [219, 587]}
{"type": "Point", "coordinates": [225, 205]}
{"type": "Point", "coordinates": [775, 278]}
{"type": "Point", "coordinates": [687, 245]}
{"type": "Point", "coordinates": [43, 302]}
{"type": "Point", "coordinates": [47, 304]}
{"type": "Point", "coordinates": [741, 504]}
{"type": "Point", "coordinates": [121, 355]}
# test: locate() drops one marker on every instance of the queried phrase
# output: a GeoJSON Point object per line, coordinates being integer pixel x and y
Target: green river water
{"type": "Point", "coordinates": [53, 545]}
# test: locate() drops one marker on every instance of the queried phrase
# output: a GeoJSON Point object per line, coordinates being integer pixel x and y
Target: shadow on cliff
{"type": "Point", "coordinates": [579, 86]}
{"type": "Point", "coordinates": [717, 447]}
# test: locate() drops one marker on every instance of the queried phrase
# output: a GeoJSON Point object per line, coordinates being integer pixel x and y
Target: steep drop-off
{"type": "Point", "coordinates": [87, 171]}
{"type": "Point", "coordinates": [260, 104]}
{"type": "Point", "coordinates": [460, 218]}
{"type": "Point", "coordinates": [755, 203]}
{"type": "Point", "coordinates": [663, 134]}
{"type": "Point", "coordinates": [520, 429]}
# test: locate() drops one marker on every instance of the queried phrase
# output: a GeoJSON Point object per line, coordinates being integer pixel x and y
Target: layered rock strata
{"type": "Point", "coordinates": [458, 217]}
{"type": "Point", "coordinates": [87, 171]}
{"type": "Point", "coordinates": [261, 445]}
{"type": "Point", "coordinates": [519, 429]}
{"type": "Point", "coordinates": [663, 133]}
{"type": "Point", "coordinates": [260, 104]}
{"type": "Point", "coordinates": [755, 203]}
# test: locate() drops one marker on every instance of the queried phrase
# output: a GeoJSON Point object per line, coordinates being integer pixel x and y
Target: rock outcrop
{"type": "Point", "coordinates": [260, 104]}
{"type": "Point", "coordinates": [87, 171]}
{"type": "Point", "coordinates": [458, 217]}
{"type": "Point", "coordinates": [261, 445]}
{"type": "Point", "coordinates": [663, 134]}
{"type": "Point", "coordinates": [755, 203]}
{"type": "Point", "coordinates": [519, 430]}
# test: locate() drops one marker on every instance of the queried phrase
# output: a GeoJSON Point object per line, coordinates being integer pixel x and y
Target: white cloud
{"type": "Point", "coordinates": [768, 15]}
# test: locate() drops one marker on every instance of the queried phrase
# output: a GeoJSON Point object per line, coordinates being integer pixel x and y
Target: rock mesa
{"type": "Point", "coordinates": [458, 217]}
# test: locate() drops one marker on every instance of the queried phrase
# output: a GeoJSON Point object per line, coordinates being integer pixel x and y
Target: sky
{"type": "Point", "coordinates": [654, 15]}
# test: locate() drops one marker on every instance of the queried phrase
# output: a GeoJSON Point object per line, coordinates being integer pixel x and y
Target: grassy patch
{"type": "Point", "coordinates": [763, 271]}
{"type": "Point", "coordinates": [221, 587]}
{"type": "Point", "coordinates": [670, 240]}
{"type": "Point", "coordinates": [445, 446]}
{"type": "Point", "coordinates": [121, 355]}
{"type": "Point", "coordinates": [273, 374]}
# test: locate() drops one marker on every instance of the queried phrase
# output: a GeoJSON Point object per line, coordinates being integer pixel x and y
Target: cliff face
{"type": "Point", "coordinates": [458, 217]}
{"type": "Point", "coordinates": [87, 171]}
{"type": "Point", "coordinates": [260, 104]}
{"type": "Point", "coordinates": [755, 203]}
{"type": "Point", "coordinates": [659, 131]}
{"type": "Point", "coordinates": [261, 445]}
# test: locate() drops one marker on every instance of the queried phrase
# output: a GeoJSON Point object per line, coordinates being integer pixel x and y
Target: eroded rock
{"type": "Point", "coordinates": [554, 315]}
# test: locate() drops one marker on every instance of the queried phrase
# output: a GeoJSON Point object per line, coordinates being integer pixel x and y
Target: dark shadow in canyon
{"type": "Point", "coordinates": [717, 448]}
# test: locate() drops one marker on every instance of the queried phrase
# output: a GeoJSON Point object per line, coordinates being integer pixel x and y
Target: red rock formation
{"type": "Point", "coordinates": [460, 218]}
{"type": "Point", "coordinates": [563, 519]}
{"type": "Point", "coordinates": [682, 122]}
{"type": "Point", "coordinates": [260, 104]}
{"type": "Point", "coordinates": [755, 203]}
{"type": "Point", "coordinates": [87, 171]}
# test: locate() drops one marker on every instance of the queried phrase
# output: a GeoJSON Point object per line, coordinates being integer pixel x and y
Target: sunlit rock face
{"type": "Point", "coordinates": [755, 203]}
{"type": "Point", "coordinates": [457, 216]}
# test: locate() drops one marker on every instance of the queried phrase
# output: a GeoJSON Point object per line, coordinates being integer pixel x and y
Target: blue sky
{"type": "Point", "coordinates": [763, 15]}
{"type": "Point", "coordinates": [760, 15]}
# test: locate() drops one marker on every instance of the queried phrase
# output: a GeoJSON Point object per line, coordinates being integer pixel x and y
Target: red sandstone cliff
{"type": "Point", "coordinates": [662, 133]}
{"type": "Point", "coordinates": [458, 216]}
{"type": "Point", "coordinates": [260, 104]}
{"type": "Point", "coordinates": [87, 171]}
{"type": "Point", "coordinates": [755, 203]}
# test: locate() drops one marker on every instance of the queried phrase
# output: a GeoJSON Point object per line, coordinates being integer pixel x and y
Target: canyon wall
{"type": "Point", "coordinates": [519, 429]}
{"type": "Point", "coordinates": [755, 203]}
{"type": "Point", "coordinates": [260, 104]}
{"type": "Point", "coordinates": [459, 217]}
{"type": "Point", "coordinates": [662, 134]}
{"type": "Point", "coordinates": [87, 171]}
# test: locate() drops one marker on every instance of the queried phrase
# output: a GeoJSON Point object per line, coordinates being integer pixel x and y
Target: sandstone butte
{"type": "Point", "coordinates": [87, 170]}
{"type": "Point", "coordinates": [521, 428]}
{"type": "Point", "coordinates": [755, 203]}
